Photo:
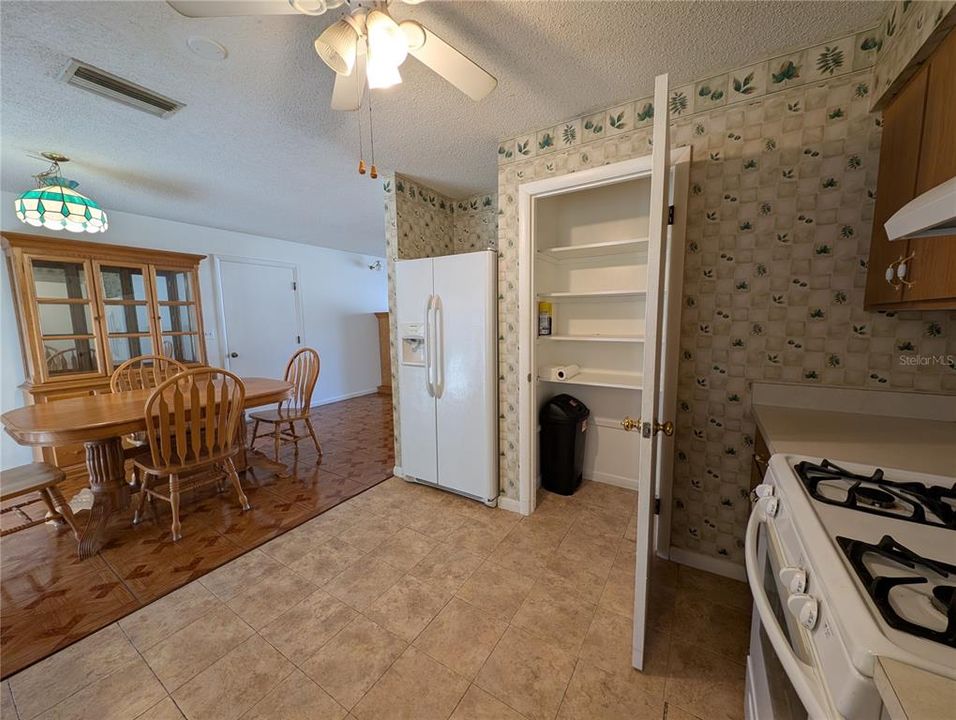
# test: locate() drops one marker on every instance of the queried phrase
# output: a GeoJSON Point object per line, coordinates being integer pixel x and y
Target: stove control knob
{"type": "Point", "coordinates": [795, 579]}
{"type": "Point", "coordinates": [805, 609]}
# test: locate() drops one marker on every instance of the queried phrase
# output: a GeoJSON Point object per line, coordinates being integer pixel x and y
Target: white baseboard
{"type": "Point", "coordinates": [718, 566]}
{"type": "Point", "coordinates": [609, 479]}
{"type": "Point", "coordinates": [509, 504]}
{"type": "Point", "coordinates": [347, 396]}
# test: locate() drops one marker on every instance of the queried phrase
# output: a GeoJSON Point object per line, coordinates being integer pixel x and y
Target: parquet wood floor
{"type": "Point", "coordinates": [49, 598]}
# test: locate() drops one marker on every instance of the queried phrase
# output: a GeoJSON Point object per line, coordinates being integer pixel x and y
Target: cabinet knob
{"type": "Point", "coordinates": [897, 271]}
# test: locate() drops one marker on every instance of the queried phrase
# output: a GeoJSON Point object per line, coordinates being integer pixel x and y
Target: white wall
{"type": "Point", "coordinates": [339, 295]}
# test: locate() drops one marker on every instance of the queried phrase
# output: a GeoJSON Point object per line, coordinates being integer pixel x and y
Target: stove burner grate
{"type": "Point", "coordinates": [909, 501]}
{"type": "Point", "coordinates": [879, 587]}
{"type": "Point", "coordinates": [943, 597]}
{"type": "Point", "coordinates": [873, 497]}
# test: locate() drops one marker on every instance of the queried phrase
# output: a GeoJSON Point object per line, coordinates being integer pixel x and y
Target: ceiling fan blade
{"type": "Point", "coordinates": [231, 8]}
{"type": "Point", "coordinates": [348, 90]}
{"type": "Point", "coordinates": [426, 47]}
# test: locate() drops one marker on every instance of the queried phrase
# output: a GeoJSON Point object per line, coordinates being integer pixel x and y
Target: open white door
{"type": "Point", "coordinates": [650, 423]}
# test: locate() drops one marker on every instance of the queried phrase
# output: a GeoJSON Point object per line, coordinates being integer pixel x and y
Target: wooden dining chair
{"type": "Point", "coordinates": [144, 372]}
{"type": "Point", "coordinates": [192, 421]}
{"type": "Point", "coordinates": [141, 373]}
{"type": "Point", "coordinates": [302, 371]}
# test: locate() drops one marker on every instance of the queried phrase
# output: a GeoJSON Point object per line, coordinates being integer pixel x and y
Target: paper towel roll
{"type": "Point", "coordinates": [548, 372]}
{"type": "Point", "coordinates": [558, 372]}
{"type": "Point", "coordinates": [567, 372]}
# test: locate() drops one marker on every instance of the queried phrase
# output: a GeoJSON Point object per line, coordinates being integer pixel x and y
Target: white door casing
{"type": "Point", "coordinates": [670, 343]}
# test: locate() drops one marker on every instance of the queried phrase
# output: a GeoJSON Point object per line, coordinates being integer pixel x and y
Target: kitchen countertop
{"type": "Point", "coordinates": [913, 432]}
{"type": "Point", "coordinates": [912, 694]}
{"type": "Point", "coordinates": [918, 445]}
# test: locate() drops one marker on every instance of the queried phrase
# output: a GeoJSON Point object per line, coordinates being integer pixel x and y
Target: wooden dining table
{"type": "Point", "coordinates": [100, 422]}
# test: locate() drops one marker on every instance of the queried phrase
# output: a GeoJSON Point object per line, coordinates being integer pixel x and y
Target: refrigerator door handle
{"type": "Point", "coordinates": [439, 320]}
{"type": "Point", "coordinates": [429, 385]}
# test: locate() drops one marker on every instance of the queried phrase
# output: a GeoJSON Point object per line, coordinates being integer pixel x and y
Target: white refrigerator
{"type": "Point", "coordinates": [447, 373]}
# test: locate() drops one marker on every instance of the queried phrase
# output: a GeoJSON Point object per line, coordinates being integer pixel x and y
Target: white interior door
{"type": "Point", "coordinates": [647, 465]}
{"type": "Point", "coordinates": [466, 389]}
{"type": "Point", "coordinates": [260, 312]}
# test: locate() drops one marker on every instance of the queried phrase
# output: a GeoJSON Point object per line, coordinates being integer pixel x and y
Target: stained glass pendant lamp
{"type": "Point", "coordinates": [55, 203]}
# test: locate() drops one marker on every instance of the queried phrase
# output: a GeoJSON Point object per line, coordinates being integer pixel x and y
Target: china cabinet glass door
{"type": "Point", "coordinates": [179, 322]}
{"type": "Point", "coordinates": [128, 321]}
{"type": "Point", "coordinates": [65, 323]}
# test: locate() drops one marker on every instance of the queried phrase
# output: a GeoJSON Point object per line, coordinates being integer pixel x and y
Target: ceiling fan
{"type": "Point", "coordinates": [365, 47]}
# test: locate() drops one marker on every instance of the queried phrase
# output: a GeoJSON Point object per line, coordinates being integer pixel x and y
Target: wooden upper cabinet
{"type": "Point", "coordinates": [61, 317]}
{"type": "Point", "coordinates": [899, 157]}
{"type": "Point", "coordinates": [933, 266]}
{"type": "Point", "coordinates": [918, 152]}
{"type": "Point", "coordinates": [85, 308]}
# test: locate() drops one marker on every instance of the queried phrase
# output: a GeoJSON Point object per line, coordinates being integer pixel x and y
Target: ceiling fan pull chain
{"type": "Point", "coordinates": [371, 135]}
{"type": "Point", "coordinates": [361, 165]}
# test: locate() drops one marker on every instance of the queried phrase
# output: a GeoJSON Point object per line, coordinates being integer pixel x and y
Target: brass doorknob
{"type": "Point", "coordinates": [629, 423]}
{"type": "Point", "coordinates": [667, 427]}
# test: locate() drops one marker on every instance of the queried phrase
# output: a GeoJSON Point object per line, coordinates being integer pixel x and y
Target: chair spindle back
{"type": "Point", "coordinates": [192, 418]}
{"type": "Point", "coordinates": [303, 372]}
{"type": "Point", "coordinates": [144, 372]}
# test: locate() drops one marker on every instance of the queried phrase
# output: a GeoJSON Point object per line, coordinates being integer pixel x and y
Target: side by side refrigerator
{"type": "Point", "coordinates": [447, 372]}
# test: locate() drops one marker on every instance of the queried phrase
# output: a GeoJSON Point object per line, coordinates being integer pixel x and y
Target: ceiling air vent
{"type": "Point", "coordinates": [116, 88]}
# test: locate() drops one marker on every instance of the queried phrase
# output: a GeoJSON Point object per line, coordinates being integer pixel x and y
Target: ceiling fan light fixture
{"type": "Point", "coordinates": [337, 46]}
{"type": "Point", "coordinates": [311, 7]}
{"type": "Point", "coordinates": [386, 40]}
{"type": "Point", "coordinates": [381, 74]}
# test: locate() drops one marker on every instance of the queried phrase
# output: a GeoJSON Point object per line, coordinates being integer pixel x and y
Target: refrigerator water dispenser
{"type": "Point", "coordinates": [413, 343]}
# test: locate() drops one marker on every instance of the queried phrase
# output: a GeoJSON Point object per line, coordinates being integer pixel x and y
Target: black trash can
{"type": "Point", "coordinates": [564, 424]}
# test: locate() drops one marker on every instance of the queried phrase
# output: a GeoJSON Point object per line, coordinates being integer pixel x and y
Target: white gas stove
{"type": "Point", "coordinates": [846, 563]}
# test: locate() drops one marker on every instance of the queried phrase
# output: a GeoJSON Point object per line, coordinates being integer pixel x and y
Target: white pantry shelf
{"type": "Point", "coordinates": [597, 294]}
{"type": "Point", "coordinates": [602, 378]}
{"type": "Point", "coordinates": [593, 338]}
{"type": "Point", "coordinates": [590, 250]}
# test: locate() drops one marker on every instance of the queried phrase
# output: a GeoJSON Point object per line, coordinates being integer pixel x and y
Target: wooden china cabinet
{"type": "Point", "coordinates": [83, 308]}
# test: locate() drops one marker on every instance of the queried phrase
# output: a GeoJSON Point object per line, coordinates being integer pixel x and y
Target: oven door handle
{"type": "Point", "coordinates": [803, 676]}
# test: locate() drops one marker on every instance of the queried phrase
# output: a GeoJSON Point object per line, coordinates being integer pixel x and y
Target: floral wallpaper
{"type": "Point", "coordinates": [476, 223]}
{"type": "Point", "coordinates": [910, 31]}
{"type": "Point", "coordinates": [743, 85]}
{"type": "Point", "coordinates": [421, 222]}
{"type": "Point", "coordinates": [783, 178]}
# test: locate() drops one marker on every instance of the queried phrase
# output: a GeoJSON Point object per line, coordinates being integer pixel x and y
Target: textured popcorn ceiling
{"type": "Point", "coordinates": [257, 148]}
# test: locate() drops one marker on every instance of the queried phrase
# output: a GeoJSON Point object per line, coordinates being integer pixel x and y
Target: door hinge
{"type": "Point", "coordinates": [295, 285]}
{"type": "Point", "coordinates": [529, 377]}
{"type": "Point", "coordinates": [670, 215]}
{"type": "Point", "coordinates": [657, 506]}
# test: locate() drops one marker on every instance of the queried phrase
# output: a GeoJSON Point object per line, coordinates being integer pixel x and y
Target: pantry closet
{"type": "Point", "coordinates": [604, 248]}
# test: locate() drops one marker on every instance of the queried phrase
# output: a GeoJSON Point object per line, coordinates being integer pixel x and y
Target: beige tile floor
{"type": "Point", "coordinates": [406, 602]}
